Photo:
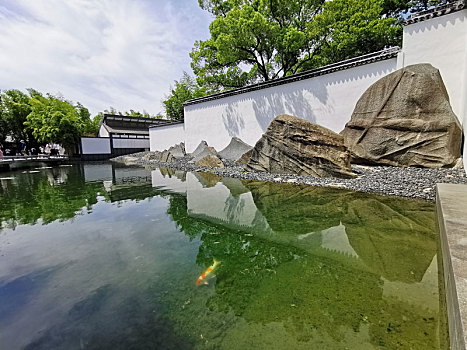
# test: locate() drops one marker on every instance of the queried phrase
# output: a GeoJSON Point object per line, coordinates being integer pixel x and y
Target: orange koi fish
{"type": "Point", "coordinates": [206, 274]}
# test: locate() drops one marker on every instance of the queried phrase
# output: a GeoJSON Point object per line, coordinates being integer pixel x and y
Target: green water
{"type": "Point", "coordinates": [98, 256]}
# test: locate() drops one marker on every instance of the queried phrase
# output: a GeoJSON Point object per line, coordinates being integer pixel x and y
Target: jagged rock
{"type": "Point", "coordinates": [208, 151]}
{"type": "Point", "coordinates": [178, 151]}
{"type": "Point", "coordinates": [130, 160]}
{"type": "Point", "coordinates": [200, 148]}
{"type": "Point", "coordinates": [245, 158]}
{"type": "Point", "coordinates": [235, 149]}
{"type": "Point", "coordinates": [295, 146]}
{"type": "Point", "coordinates": [210, 160]}
{"type": "Point", "coordinates": [152, 156]}
{"type": "Point", "coordinates": [166, 157]}
{"type": "Point", "coordinates": [405, 119]}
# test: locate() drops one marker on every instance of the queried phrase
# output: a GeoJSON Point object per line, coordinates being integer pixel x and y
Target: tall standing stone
{"type": "Point", "coordinates": [405, 119]}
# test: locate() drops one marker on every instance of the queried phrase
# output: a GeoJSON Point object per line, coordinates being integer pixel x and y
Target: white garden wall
{"type": "Point", "coordinates": [327, 100]}
{"type": "Point", "coordinates": [164, 137]}
{"type": "Point", "coordinates": [95, 145]}
{"type": "Point", "coordinates": [130, 143]}
{"type": "Point", "coordinates": [441, 41]}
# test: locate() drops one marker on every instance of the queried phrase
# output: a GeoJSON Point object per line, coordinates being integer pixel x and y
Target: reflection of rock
{"type": "Point", "coordinates": [295, 146]}
{"type": "Point", "coordinates": [295, 210]}
{"type": "Point", "coordinates": [235, 149]}
{"type": "Point", "coordinates": [396, 238]}
{"type": "Point", "coordinates": [207, 179]}
{"type": "Point", "coordinates": [235, 186]}
{"type": "Point", "coordinates": [211, 161]}
{"type": "Point", "coordinates": [405, 119]}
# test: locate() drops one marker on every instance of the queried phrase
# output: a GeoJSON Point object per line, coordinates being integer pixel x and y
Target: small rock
{"type": "Point", "coordinates": [211, 161]}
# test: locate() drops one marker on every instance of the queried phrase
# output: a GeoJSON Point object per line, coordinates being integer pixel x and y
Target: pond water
{"type": "Point", "coordinates": [100, 256]}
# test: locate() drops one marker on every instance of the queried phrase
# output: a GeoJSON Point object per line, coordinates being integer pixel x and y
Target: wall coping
{"type": "Point", "coordinates": [331, 68]}
{"type": "Point", "coordinates": [166, 124]}
{"type": "Point", "coordinates": [435, 12]}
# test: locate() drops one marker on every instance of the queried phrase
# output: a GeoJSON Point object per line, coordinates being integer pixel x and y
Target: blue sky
{"type": "Point", "coordinates": [120, 53]}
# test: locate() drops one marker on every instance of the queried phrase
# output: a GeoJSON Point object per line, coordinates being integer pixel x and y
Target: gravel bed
{"type": "Point", "coordinates": [404, 182]}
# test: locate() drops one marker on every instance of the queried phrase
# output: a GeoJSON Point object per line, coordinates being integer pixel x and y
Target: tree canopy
{"type": "Point", "coordinates": [185, 89]}
{"type": "Point", "coordinates": [260, 40]}
{"type": "Point", "coordinates": [36, 118]}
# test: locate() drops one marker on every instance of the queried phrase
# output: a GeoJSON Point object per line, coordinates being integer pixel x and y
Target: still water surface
{"type": "Point", "coordinates": [99, 256]}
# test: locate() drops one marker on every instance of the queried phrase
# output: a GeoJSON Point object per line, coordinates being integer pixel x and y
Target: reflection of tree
{"type": "Point", "coordinates": [31, 197]}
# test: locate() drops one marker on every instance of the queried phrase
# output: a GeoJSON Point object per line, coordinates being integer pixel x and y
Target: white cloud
{"type": "Point", "coordinates": [120, 53]}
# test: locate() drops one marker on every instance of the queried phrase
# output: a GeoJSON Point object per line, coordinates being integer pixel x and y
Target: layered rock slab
{"type": "Point", "coordinates": [295, 146]}
{"type": "Point", "coordinates": [405, 119]}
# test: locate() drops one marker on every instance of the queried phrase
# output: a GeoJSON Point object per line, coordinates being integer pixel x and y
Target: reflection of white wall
{"type": "Point", "coordinates": [335, 238]}
{"type": "Point", "coordinates": [327, 100]}
{"type": "Point", "coordinates": [131, 143]}
{"type": "Point", "coordinates": [172, 183]}
{"type": "Point", "coordinates": [97, 172]}
{"type": "Point", "coordinates": [217, 202]}
{"type": "Point", "coordinates": [420, 293]}
{"type": "Point", "coordinates": [95, 145]}
{"type": "Point", "coordinates": [164, 137]}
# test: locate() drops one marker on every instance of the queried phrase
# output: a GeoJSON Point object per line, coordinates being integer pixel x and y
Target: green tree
{"type": "Point", "coordinates": [260, 40]}
{"type": "Point", "coordinates": [14, 109]}
{"type": "Point", "coordinates": [185, 89]}
{"type": "Point", "coordinates": [54, 119]}
{"type": "Point", "coordinates": [350, 28]}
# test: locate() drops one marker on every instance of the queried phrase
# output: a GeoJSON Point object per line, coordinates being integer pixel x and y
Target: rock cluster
{"type": "Point", "coordinates": [295, 146]}
{"type": "Point", "coordinates": [405, 119]}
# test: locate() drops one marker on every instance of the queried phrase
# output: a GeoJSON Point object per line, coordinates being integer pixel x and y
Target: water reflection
{"type": "Point", "coordinates": [301, 267]}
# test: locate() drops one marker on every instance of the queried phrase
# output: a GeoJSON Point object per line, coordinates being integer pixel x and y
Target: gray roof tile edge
{"type": "Point", "coordinates": [435, 12]}
{"type": "Point", "coordinates": [331, 68]}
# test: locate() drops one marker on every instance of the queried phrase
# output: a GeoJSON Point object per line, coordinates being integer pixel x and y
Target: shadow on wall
{"type": "Point", "coordinates": [435, 24]}
{"type": "Point", "coordinates": [307, 99]}
{"type": "Point", "coordinates": [312, 99]}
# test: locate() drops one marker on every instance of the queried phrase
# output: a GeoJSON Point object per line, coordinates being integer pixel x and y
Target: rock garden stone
{"type": "Point", "coordinates": [178, 151]}
{"type": "Point", "coordinates": [152, 156]}
{"type": "Point", "coordinates": [235, 149]}
{"type": "Point", "coordinates": [211, 161]}
{"type": "Point", "coordinates": [166, 157]}
{"type": "Point", "coordinates": [405, 119]}
{"type": "Point", "coordinates": [295, 146]}
{"type": "Point", "coordinates": [245, 158]}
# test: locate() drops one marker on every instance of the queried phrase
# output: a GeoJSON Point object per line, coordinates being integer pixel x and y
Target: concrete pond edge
{"type": "Point", "coordinates": [451, 206]}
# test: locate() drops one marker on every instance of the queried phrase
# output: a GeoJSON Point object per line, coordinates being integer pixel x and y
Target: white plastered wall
{"type": "Point", "coordinates": [164, 137]}
{"type": "Point", "coordinates": [442, 41]}
{"type": "Point", "coordinates": [130, 143]}
{"type": "Point", "coordinates": [327, 100]}
{"type": "Point", "coordinates": [95, 145]}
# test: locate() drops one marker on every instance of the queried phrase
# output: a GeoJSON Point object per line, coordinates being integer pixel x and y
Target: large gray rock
{"type": "Point", "coordinates": [208, 151]}
{"type": "Point", "coordinates": [235, 149]}
{"type": "Point", "coordinates": [178, 151]}
{"type": "Point", "coordinates": [405, 119]}
{"type": "Point", "coordinates": [200, 148]}
{"type": "Point", "coordinates": [295, 146]}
